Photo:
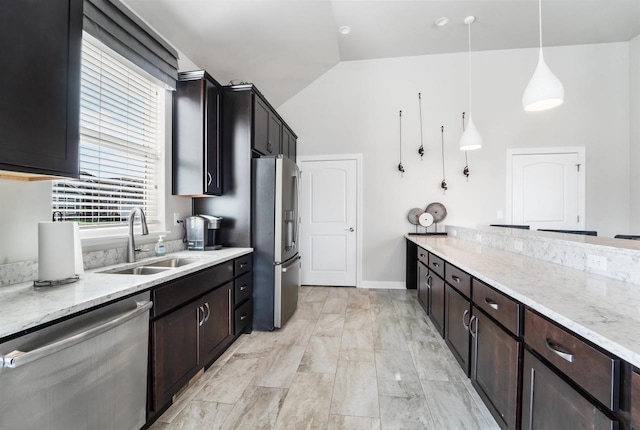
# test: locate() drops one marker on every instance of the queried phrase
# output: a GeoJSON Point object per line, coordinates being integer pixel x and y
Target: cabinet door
{"type": "Point", "coordinates": [635, 401]}
{"type": "Point", "coordinates": [436, 302]}
{"type": "Point", "coordinates": [494, 368]}
{"type": "Point", "coordinates": [286, 137]}
{"type": "Point", "coordinates": [213, 165]}
{"type": "Point", "coordinates": [293, 148]}
{"type": "Point", "coordinates": [217, 328]}
{"type": "Point", "coordinates": [261, 113]}
{"type": "Point", "coordinates": [274, 146]}
{"type": "Point", "coordinates": [549, 403]}
{"type": "Point", "coordinates": [40, 41]}
{"type": "Point", "coordinates": [174, 352]}
{"type": "Point", "coordinates": [424, 286]}
{"type": "Point", "coordinates": [458, 315]}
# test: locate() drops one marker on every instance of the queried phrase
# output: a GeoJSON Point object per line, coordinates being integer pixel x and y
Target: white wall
{"type": "Point", "coordinates": [24, 204]}
{"type": "Point", "coordinates": [634, 132]}
{"type": "Point", "coordinates": [353, 108]}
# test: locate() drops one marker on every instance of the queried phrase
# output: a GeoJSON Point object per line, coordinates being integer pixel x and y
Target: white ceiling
{"type": "Point", "coordinates": [284, 45]}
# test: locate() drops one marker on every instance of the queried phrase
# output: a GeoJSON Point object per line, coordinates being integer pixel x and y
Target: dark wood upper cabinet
{"type": "Point", "coordinates": [197, 158]}
{"type": "Point", "coordinates": [261, 136]}
{"type": "Point", "coordinates": [549, 403]}
{"type": "Point", "coordinates": [40, 42]}
{"type": "Point", "coordinates": [458, 315]}
{"type": "Point", "coordinates": [495, 360]}
{"type": "Point", "coordinates": [289, 143]}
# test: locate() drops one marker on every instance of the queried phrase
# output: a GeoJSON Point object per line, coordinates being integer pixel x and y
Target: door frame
{"type": "Point", "coordinates": [358, 159]}
{"type": "Point", "coordinates": [580, 150]}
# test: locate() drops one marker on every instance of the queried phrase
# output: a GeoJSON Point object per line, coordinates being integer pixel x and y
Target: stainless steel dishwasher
{"type": "Point", "coordinates": [88, 372]}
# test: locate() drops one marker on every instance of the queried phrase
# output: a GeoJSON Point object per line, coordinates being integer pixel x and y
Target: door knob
{"type": "Point", "coordinates": [349, 229]}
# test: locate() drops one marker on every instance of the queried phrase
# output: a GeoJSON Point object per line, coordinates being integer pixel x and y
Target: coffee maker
{"type": "Point", "coordinates": [203, 232]}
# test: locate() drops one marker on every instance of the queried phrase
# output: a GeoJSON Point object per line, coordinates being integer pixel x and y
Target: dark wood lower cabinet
{"type": "Point", "coordinates": [436, 302]}
{"type": "Point", "coordinates": [495, 359]}
{"type": "Point", "coordinates": [635, 401]}
{"type": "Point", "coordinates": [549, 403]}
{"type": "Point", "coordinates": [457, 315]}
{"type": "Point", "coordinates": [423, 282]}
{"type": "Point", "coordinates": [217, 328]}
{"type": "Point", "coordinates": [174, 352]}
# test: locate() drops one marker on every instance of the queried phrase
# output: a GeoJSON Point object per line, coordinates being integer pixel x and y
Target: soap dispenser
{"type": "Point", "coordinates": [161, 249]}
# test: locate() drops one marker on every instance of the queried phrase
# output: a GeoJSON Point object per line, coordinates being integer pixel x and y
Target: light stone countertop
{"type": "Point", "coordinates": [22, 307]}
{"type": "Point", "coordinates": [603, 310]}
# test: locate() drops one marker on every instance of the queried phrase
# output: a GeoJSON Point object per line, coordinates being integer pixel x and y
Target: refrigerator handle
{"type": "Point", "coordinates": [296, 229]}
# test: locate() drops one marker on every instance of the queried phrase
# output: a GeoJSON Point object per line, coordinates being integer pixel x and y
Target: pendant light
{"type": "Point", "coordinates": [421, 149]}
{"type": "Point", "coordinates": [544, 91]}
{"type": "Point", "coordinates": [471, 138]}
{"type": "Point", "coordinates": [443, 184]}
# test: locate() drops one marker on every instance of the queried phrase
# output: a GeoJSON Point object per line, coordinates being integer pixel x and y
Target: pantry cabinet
{"type": "Point", "coordinates": [40, 41]}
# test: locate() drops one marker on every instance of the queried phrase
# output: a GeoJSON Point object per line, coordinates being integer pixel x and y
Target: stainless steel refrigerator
{"type": "Point", "coordinates": [275, 232]}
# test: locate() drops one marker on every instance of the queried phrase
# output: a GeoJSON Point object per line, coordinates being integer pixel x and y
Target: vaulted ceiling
{"type": "Point", "coordinates": [284, 45]}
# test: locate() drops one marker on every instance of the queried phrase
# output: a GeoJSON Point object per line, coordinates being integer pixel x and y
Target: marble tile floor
{"type": "Point", "coordinates": [348, 359]}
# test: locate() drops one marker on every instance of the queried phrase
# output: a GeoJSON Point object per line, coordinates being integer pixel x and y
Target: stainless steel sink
{"type": "Point", "coordinates": [140, 270]}
{"type": "Point", "coordinates": [172, 262]}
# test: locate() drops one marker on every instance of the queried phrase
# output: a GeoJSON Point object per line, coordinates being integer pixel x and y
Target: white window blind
{"type": "Point", "coordinates": [120, 140]}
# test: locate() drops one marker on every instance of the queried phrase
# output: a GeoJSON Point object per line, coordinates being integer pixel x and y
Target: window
{"type": "Point", "coordinates": [121, 136]}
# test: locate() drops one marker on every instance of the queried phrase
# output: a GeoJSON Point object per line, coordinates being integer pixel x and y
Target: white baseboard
{"type": "Point", "coordinates": [385, 285]}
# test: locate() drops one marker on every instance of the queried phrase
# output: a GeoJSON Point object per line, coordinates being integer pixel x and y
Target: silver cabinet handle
{"type": "Point", "coordinates": [206, 305]}
{"type": "Point", "coordinates": [243, 265]}
{"type": "Point", "coordinates": [464, 322]}
{"type": "Point", "coordinates": [434, 264]}
{"type": "Point", "coordinates": [553, 348]}
{"type": "Point", "coordinates": [19, 358]}
{"type": "Point", "coordinates": [474, 332]}
{"type": "Point", "coordinates": [244, 287]}
{"type": "Point", "coordinates": [429, 280]}
{"type": "Point", "coordinates": [200, 311]}
{"type": "Point", "coordinates": [455, 278]}
{"type": "Point", "coordinates": [209, 179]}
{"type": "Point", "coordinates": [244, 316]}
{"type": "Point", "coordinates": [491, 303]}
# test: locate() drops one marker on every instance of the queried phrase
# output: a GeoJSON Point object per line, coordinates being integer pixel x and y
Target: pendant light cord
{"type": "Point", "coordinates": [420, 108]}
{"type": "Point", "coordinates": [540, 21]}
{"type": "Point", "coordinates": [442, 140]}
{"type": "Point", "coordinates": [469, 61]}
{"type": "Point", "coordinates": [400, 137]}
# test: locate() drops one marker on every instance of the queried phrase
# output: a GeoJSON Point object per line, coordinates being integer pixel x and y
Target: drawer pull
{"type": "Point", "coordinates": [434, 264]}
{"type": "Point", "coordinates": [464, 321]}
{"type": "Point", "coordinates": [244, 316]}
{"type": "Point", "coordinates": [553, 348]}
{"type": "Point", "coordinates": [243, 265]}
{"type": "Point", "coordinates": [491, 303]}
{"type": "Point", "coordinates": [244, 287]}
{"type": "Point", "coordinates": [455, 278]}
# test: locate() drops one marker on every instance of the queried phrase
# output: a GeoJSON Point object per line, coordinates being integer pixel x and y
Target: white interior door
{"type": "Point", "coordinates": [547, 190]}
{"type": "Point", "coordinates": [328, 226]}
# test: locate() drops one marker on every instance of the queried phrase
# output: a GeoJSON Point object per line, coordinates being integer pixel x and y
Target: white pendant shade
{"type": "Point", "coordinates": [545, 91]}
{"type": "Point", "coordinates": [471, 138]}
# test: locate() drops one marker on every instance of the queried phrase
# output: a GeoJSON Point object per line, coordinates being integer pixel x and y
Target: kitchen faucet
{"type": "Point", "coordinates": [131, 245]}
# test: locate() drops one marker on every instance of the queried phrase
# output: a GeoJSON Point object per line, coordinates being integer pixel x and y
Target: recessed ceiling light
{"type": "Point", "coordinates": [345, 29]}
{"type": "Point", "coordinates": [442, 21]}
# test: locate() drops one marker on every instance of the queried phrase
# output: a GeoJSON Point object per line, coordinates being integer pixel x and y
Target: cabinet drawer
{"type": "Point", "coordinates": [498, 306]}
{"type": "Point", "coordinates": [242, 288]}
{"type": "Point", "coordinates": [423, 256]}
{"type": "Point", "coordinates": [175, 293]}
{"type": "Point", "coordinates": [243, 317]}
{"type": "Point", "coordinates": [436, 264]}
{"type": "Point", "coordinates": [243, 264]}
{"type": "Point", "coordinates": [594, 371]}
{"type": "Point", "coordinates": [458, 279]}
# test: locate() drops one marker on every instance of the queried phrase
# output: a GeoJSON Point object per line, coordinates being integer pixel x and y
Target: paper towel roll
{"type": "Point", "coordinates": [56, 255]}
